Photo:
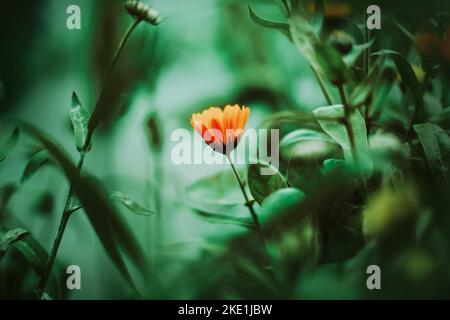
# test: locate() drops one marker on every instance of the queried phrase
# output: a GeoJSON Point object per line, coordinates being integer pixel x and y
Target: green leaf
{"type": "Point", "coordinates": [110, 227]}
{"type": "Point", "coordinates": [275, 120]}
{"type": "Point", "coordinates": [406, 73]}
{"type": "Point", "coordinates": [9, 145]}
{"type": "Point", "coordinates": [33, 252]}
{"type": "Point", "coordinates": [132, 205]}
{"type": "Point", "coordinates": [404, 30]}
{"type": "Point", "coordinates": [282, 27]}
{"type": "Point", "coordinates": [351, 57]}
{"type": "Point", "coordinates": [354, 29]}
{"type": "Point", "coordinates": [278, 202]}
{"type": "Point", "coordinates": [8, 238]}
{"type": "Point", "coordinates": [304, 38]}
{"type": "Point", "coordinates": [329, 165]}
{"type": "Point", "coordinates": [436, 146]}
{"type": "Point", "coordinates": [322, 58]}
{"type": "Point", "coordinates": [331, 64]}
{"type": "Point", "coordinates": [384, 86]}
{"type": "Point", "coordinates": [39, 159]}
{"type": "Point", "coordinates": [317, 18]}
{"type": "Point", "coordinates": [306, 144]}
{"type": "Point", "coordinates": [338, 132]}
{"type": "Point", "coordinates": [264, 179]}
{"type": "Point", "coordinates": [364, 89]}
{"type": "Point", "coordinates": [22, 240]}
{"type": "Point", "coordinates": [224, 219]}
{"type": "Point", "coordinates": [80, 118]}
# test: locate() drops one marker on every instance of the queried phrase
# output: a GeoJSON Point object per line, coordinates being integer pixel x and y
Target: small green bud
{"type": "Point", "coordinates": [341, 41]}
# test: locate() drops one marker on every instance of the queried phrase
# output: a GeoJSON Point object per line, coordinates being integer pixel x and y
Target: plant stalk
{"type": "Point", "coordinates": [322, 86]}
{"type": "Point", "coordinates": [256, 223]}
{"type": "Point", "coordinates": [71, 195]}
{"type": "Point", "coordinates": [349, 129]}
{"type": "Point", "coordinates": [347, 124]}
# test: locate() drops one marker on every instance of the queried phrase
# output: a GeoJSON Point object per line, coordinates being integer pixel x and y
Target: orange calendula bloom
{"type": "Point", "coordinates": [221, 129]}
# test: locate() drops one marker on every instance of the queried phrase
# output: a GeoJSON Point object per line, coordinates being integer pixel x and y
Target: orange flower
{"type": "Point", "coordinates": [221, 129]}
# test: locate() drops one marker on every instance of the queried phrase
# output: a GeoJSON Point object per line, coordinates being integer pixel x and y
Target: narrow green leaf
{"type": "Point", "coordinates": [364, 89]}
{"type": "Point", "coordinates": [304, 38]}
{"type": "Point", "coordinates": [318, 17]}
{"type": "Point", "coordinates": [356, 52]}
{"type": "Point", "coordinates": [406, 73]}
{"type": "Point", "coordinates": [9, 145]}
{"type": "Point", "coordinates": [80, 118]}
{"type": "Point", "coordinates": [10, 237]}
{"type": "Point", "coordinates": [436, 146]}
{"type": "Point", "coordinates": [354, 29]}
{"type": "Point", "coordinates": [224, 219]}
{"type": "Point", "coordinates": [39, 159]}
{"type": "Point", "coordinates": [132, 205]}
{"type": "Point", "coordinates": [111, 229]}
{"type": "Point", "coordinates": [22, 240]}
{"type": "Point", "coordinates": [33, 251]}
{"type": "Point", "coordinates": [275, 120]}
{"type": "Point", "coordinates": [322, 58]}
{"type": "Point", "coordinates": [404, 30]}
{"type": "Point", "coordinates": [331, 64]}
{"type": "Point", "coordinates": [329, 165]}
{"type": "Point", "coordinates": [262, 184]}
{"type": "Point", "coordinates": [282, 27]}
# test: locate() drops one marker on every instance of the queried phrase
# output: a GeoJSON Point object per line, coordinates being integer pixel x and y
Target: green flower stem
{"type": "Point", "coordinates": [349, 129]}
{"type": "Point", "coordinates": [347, 124]}
{"type": "Point", "coordinates": [71, 195]}
{"type": "Point", "coordinates": [249, 204]}
{"type": "Point", "coordinates": [95, 118]}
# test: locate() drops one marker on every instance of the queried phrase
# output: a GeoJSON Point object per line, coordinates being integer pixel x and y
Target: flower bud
{"type": "Point", "coordinates": [142, 11]}
{"type": "Point", "coordinates": [341, 41]}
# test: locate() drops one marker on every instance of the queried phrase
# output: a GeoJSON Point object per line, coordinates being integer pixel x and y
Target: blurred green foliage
{"type": "Point", "coordinates": [364, 124]}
